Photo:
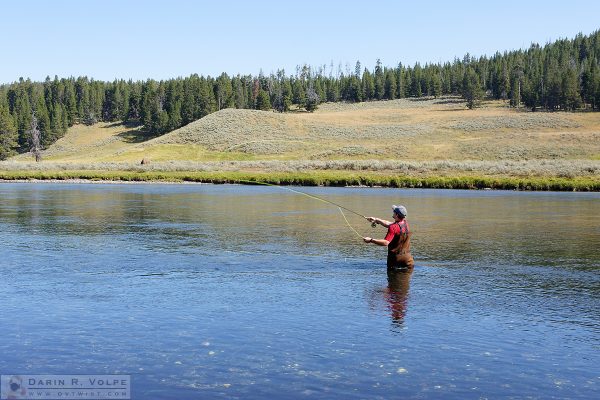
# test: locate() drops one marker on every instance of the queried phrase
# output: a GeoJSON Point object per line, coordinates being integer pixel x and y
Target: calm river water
{"type": "Point", "coordinates": [253, 292]}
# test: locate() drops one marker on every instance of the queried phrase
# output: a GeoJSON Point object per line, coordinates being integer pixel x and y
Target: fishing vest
{"type": "Point", "coordinates": [399, 248]}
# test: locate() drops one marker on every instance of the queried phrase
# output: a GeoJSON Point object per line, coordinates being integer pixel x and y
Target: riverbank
{"type": "Point", "coordinates": [312, 178]}
{"type": "Point", "coordinates": [433, 143]}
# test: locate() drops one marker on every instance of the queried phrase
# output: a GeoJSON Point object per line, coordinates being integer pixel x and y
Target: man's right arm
{"type": "Point", "coordinates": [382, 222]}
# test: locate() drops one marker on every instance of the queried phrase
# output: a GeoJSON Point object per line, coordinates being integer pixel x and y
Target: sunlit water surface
{"type": "Point", "coordinates": [251, 292]}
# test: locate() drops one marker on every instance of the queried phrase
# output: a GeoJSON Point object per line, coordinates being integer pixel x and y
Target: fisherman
{"type": "Point", "coordinates": [397, 240]}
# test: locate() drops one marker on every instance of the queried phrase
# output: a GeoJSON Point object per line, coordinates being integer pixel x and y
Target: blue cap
{"type": "Point", "coordinates": [400, 210]}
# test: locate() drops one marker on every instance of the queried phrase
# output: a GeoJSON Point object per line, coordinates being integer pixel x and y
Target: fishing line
{"type": "Point", "coordinates": [340, 207]}
{"type": "Point", "coordinates": [305, 194]}
{"type": "Point", "coordinates": [348, 223]}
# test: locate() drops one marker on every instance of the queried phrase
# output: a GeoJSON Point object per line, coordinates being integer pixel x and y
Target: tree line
{"type": "Point", "coordinates": [563, 75]}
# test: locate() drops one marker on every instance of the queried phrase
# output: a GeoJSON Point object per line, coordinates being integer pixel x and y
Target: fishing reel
{"type": "Point", "coordinates": [373, 224]}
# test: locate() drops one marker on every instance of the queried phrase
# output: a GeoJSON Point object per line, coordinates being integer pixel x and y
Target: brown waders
{"type": "Point", "coordinates": [399, 257]}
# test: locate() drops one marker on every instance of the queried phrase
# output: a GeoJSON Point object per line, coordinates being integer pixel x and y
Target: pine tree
{"type": "Point", "coordinates": [175, 120]}
{"type": "Point", "coordinates": [357, 69]}
{"type": "Point", "coordinates": [515, 85]}
{"type": "Point", "coordinates": [277, 91]}
{"type": "Point", "coordinates": [436, 85]}
{"type": "Point", "coordinates": [134, 104]}
{"type": "Point", "coordinates": [223, 92]}
{"type": "Point", "coordinates": [472, 91]}
{"type": "Point", "coordinates": [379, 81]}
{"type": "Point", "coordinates": [368, 86]}
{"type": "Point", "coordinates": [123, 103]}
{"type": "Point", "coordinates": [504, 84]}
{"type": "Point", "coordinates": [298, 92]}
{"type": "Point", "coordinates": [287, 94]}
{"type": "Point", "coordinates": [117, 108]}
{"type": "Point", "coordinates": [553, 82]}
{"type": "Point", "coordinates": [159, 123]}
{"type": "Point", "coordinates": [64, 121]}
{"type": "Point", "coordinates": [587, 82]}
{"type": "Point", "coordinates": [188, 105]}
{"type": "Point", "coordinates": [399, 81]}
{"type": "Point", "coordinates": [319, 87]}
{"type": "Point", "coordinates": [149, 103]}
{"type": "Point", "coordinates": [597, 96]}
{"type": "Point", "coordinates": [312, 99]}
{"type": "Point", "coordinates": [262, 101]}
{"type": "Point", "coordinates": [570, 98]}
{"type": "Point", "coordinates": [57, 124]}
{"type": "Point", "coordinates": [416, 89]}
{"type": "Point", "coordinates": [70, 103]}
{"type": "Point", "coordinates": [206, 98]}
{"type": "Point", "coordinates": [47, 136]}
{"type": "Point", "coordinates": [407, 79]}
{"type": "Point", "coordinates": [22, 114]}
{"type": "Point", "coordinates": [8, 131]}
{"type": "Point", "coordinates": [96, 96]}
{"type": "Point", "coordinates": [252, 87]}
{"type": "Point", "coordinates": [390, 85]}
{"type": "Point", "coordinates": [239, 93]}
{"type": "Point", "coordinates": [333, 90]}
{"type": "Point", "coordinates": [354, 92]}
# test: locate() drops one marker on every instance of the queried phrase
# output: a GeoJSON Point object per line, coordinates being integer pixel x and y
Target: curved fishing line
{"type": "Point", "coordinates": [348, 223]}
{"type": "Point", "coordinates": [340, 207]}
{"type": "Point", "coordinates": [305, 194]}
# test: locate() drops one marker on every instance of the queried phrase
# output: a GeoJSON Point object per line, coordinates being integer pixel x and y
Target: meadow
{"type": "Point", "coordinates": [407, 142]}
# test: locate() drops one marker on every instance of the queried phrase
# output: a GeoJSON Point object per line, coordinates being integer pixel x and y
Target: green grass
{"type": "Point", "coordinates": [315, 178]}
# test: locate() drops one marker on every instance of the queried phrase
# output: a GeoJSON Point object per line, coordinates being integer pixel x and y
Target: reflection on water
{"type": "Point", "coordinates": [393, 298]}
{"type": "Point", "coordinates": [204, 291]}
{"type": "Point", "coordinates": [397, 294]}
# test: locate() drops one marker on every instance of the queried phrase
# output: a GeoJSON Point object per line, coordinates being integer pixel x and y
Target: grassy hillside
{"type": "Point", "coordinates": [412, 137]}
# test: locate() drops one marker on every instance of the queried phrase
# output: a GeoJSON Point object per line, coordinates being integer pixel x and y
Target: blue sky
{"type": "Point", "coordinates": [134, 39]}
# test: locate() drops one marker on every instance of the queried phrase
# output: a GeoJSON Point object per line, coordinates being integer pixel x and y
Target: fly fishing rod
{"type": "Point", "coordinates": [313, 197]}
{"type": "Point", "coordinates": [305, 194]}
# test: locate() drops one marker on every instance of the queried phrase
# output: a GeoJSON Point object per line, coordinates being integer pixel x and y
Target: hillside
{"type": "Point", "coordinates": [560, 76]}
{"type": "Point", "coordinates": [371, 135]}
{"type": "Point", "coordinates": [418, 130]}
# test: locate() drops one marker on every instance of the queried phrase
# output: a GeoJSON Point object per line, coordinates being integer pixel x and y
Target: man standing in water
{"type": "Point", "coordinates": [397, 240]}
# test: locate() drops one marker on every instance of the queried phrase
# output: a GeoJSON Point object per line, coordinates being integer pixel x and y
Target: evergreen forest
{"type": "Point", "coordinates": [563, 75]}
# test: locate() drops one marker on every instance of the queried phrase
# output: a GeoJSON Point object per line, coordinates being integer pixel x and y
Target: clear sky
{"type": "Point", "coordinates": [108, 39]}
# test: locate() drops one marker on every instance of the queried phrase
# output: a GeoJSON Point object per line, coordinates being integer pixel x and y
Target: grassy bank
{"type": "Point", "coordinates": [317, 178]}
{"type": "Point", "coordinates": [432, 143]}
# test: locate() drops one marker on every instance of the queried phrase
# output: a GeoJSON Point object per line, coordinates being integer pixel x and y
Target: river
{"type": "Point", "coordinates": [253, 292]}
